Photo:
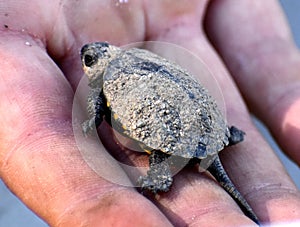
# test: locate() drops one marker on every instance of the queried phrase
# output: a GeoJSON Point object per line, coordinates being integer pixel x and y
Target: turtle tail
{"type": "Point", "coordinates": [218, 171]}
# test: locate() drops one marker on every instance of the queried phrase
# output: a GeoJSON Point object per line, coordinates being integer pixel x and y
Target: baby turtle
{"type": "Point", "coordinates": [159, 105]}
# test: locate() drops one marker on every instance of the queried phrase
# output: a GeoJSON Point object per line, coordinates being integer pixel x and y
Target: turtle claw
{"type": "Point", "coordinates": [159, 183]}
{"type": "Point", "coordinates": [88, 126]}
{"type": "Point", "coordinates": [155, 182]}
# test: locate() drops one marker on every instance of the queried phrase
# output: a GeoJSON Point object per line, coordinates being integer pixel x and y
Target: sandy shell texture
{"type": "Point", "coordinates": [160, 105]}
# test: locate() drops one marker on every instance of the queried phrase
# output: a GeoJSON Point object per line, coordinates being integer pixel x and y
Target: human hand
{"type": "Point", "coordinates": [39, 159]}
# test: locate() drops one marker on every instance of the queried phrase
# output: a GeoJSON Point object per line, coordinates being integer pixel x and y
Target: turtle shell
{"type": "Point", "coordinates": [161, 106]}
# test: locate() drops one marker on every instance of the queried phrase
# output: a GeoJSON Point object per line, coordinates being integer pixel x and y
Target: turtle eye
{"type": "Point", "coordinates": [89, 60]}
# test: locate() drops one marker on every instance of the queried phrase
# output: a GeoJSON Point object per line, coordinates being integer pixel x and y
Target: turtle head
{"type": "Point", "coordinates": [95, 58]}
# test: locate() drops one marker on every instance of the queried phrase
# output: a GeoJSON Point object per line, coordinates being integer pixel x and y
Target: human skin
{"type": "Point", "coordinates": [40, 68]}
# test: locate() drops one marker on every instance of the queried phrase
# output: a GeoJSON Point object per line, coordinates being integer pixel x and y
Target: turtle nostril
{"type": "Point", "coordinates": [88, 60]}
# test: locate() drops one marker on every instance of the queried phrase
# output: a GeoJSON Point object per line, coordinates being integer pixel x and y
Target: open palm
{"type": "Point", "coordinates": [248, 48]}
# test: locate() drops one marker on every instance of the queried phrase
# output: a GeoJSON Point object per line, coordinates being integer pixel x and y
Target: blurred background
{"type": "Point", "coordinates": [13, 213]}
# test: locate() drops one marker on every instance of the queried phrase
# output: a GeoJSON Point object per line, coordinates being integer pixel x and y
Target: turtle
{"type": "Point", "coordinates": [160, 105]}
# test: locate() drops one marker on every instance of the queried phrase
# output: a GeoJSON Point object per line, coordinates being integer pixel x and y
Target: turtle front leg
{"type": "Point", "coordinates": [159, 176]}
{"type": "Point", "coordinates": [97, 108]}
{"type": "Point", "coordinates": [236, 135]}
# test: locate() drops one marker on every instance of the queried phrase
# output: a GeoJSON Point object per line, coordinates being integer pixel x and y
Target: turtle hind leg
{"type": "Point", "coordinates": [236, 135]}
{"type": "Point", "coordinates": [159, 176]}
{"type": "Point", "coordinates": [218, 171]}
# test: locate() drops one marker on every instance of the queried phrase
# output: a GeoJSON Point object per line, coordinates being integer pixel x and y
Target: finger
{"type": "Point", "coordinates": [119, 22]}
{"type": "Point", "coordinates": [254, 168]}
{"type": "Point", "coordinates": [251, 166]}
{"type": "Point", "coordinates": [257, 46]}
{"type": "Point", "coordinates": [39, 159]}
{"type": "Point", "coordinates": [70, 190]}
